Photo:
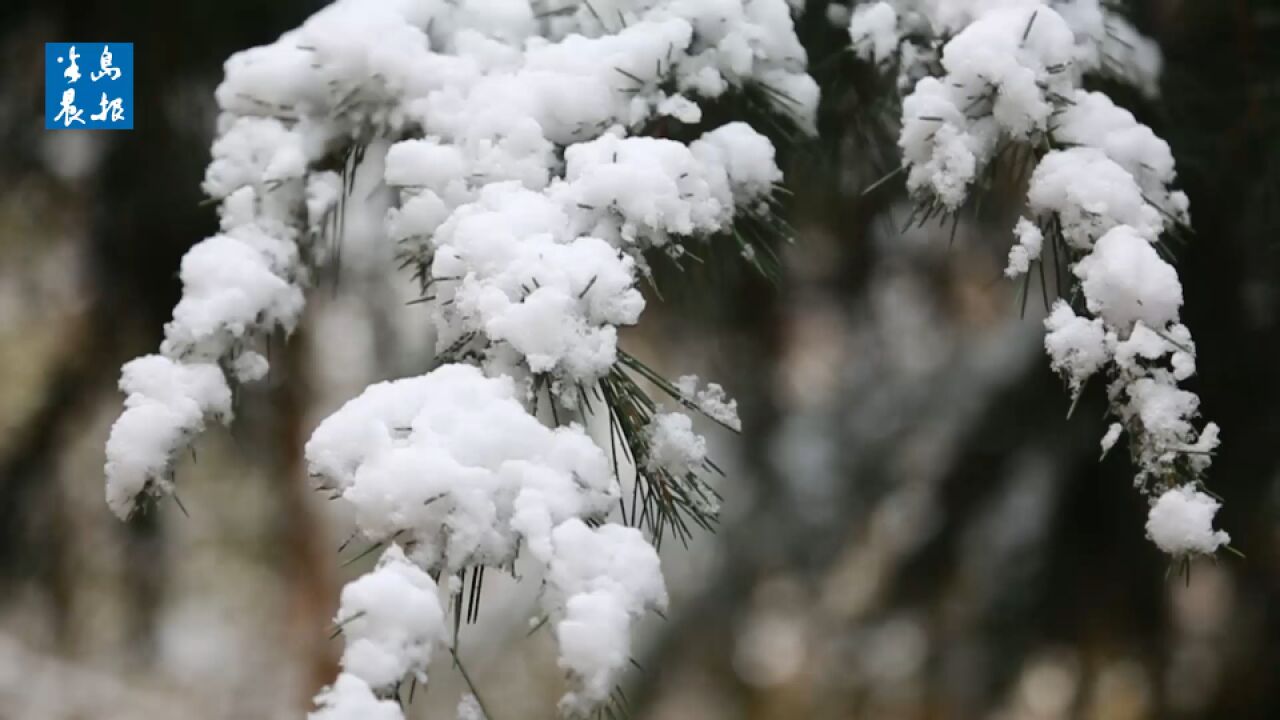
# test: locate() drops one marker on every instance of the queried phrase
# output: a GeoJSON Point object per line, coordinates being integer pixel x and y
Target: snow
{"type": "Point", "coordinates": [227, 290]}
{"type": "Point", "coordinates": [1164, 410]}
{"type": "Point", "coordinates": [712, 401]}
{"type": "Point", "coordinates": [746, 156]}
{"type": "Point", "coordinates": [323, 191]}
{"type": "Point", "coordinates": [905, 32]}
{"type": "Point", "coordinates": [1111, 437]}
{"type": "Point", "coordinates": [557, 303]}
{"type": "Point", "coordinates": [1137, 354]}
{"type": "Point", "coordinates": [1181, 522]}
{"type": "Point", "coordinates": [1009, 67]}
{"type": "Point", "coordinates": [673, 445]}
{"type": "Point", "coordinates": [1026, 250]}
{"type": "Point", "coordinates": [942, 157]}
{"type": "Point", "coordinates": [1125, 280]}
{"type": "Point", "coordinates": [481, 125]}
{"type": "Point", "coordinates": [1091, 194]}
{"type": "Point", "coordinates": [1077, 346]}
{"type": "Point", "coordinates": [646, 191]}
{"type": "Point", "coordinates": [874, 29]}
{"type": "Point", "coordinates": [641, 189]}
{"type": "Point", "coordinates": [249, 366]}
{"type": "Point", "coordinates": [452, 463]}
{"type": "Point", "coordinates": [391, 621]}
{"type": "Point", "coordinates": [1108, 44]}
{"type": "Point", "coordinates": [166, 403]}
{"type": "Point", "coordinates": [1000, 75]}
{"type": "Point", "coordinates": [1102, 189]}
{"type": "Point", "coordinates": [469, 708]}
{"type": "Point", "coordinates": [252, 151]}
{"type": "Point", "coordinates": [1092, 120]}
{"type": "Point", "coordinates": [350, 698]}
{"type": "Point", "coordinates": [599, 581]}
{"type": "Point", "coordinates": [426, 164]}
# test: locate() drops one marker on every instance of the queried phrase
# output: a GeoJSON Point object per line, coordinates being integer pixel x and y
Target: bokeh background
{"type": "Point", "coordinates": [913, 526]}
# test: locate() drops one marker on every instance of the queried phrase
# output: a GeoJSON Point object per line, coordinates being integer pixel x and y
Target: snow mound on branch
{"type": "Point", "coordinates": [874, 29]}
{"type": "Point", "coordinates": [673, 445]}
{"type": "Point", "coordinates": [1026, 250]}
{"type": "Point", "coordinates": [712, 402]}
{"type": "Point", "coordinates": [642, 189]}
{"type": "Point", "coordinates": [550, 273]}
{"type": "Point", "coordinates": [907, 33]}
{"type": "Point", "coordinates": [453, 463]}
{"type": "Point", "coordinates": [525, 200]}
{"type": "Point", "coordinates": [1077, 346]}
{"type": "Point", "coordinates": [1092, 120]}
{"type": "Point", "coordinates": [1101, 192]}
{"type": "Point", "coordinates": [1091, 194]}
{"type": "Point", "coordinates": [599, 580]}
{"type": "Point", "coordinates": [506, 271]}
{"type": "Point", "coordinates": [350, 698]}
{"type": "Point", "coordinates": [1001, 72]}
{"type": "Point", "coordinates": [391, 621]}
{"type": "Point", "coordinates": [166, 403]}
{"type": "Point", "coordinates": [1181, 522]}
{"type": "Point", "coordinates": [490, 103]}
{"type": "Point", "coordinates": [1125, 280]}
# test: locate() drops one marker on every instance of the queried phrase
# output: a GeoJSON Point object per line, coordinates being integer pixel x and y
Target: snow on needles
{"type": "Point", "coordinates": [480, 102]}
{"type": "Point", "coordinates": [599, 580]}
{"type": "Point", "coordinates": [451, 465]}
{"type": "Point", "coordinates": [1181, 522]}
{"type": "Point", "coordinates": [908, 33]}
{"type": "Point", "coordinates": [350, 698]}
{"type": "Point", "coordinates": [1101, 196]}
{"type": "Point", "coordinates": [391, 621]}
{"type": "Point", "coordinates": [166, 403]}
{"type": "Point", "coordinates": [529, 174]}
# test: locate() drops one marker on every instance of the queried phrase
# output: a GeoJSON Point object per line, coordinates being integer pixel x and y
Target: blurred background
{"type": "Point", "coordinates": [913, 527]}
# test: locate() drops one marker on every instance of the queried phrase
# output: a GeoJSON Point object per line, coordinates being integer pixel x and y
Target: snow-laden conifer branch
{"type": "Point", "coordinates": [988, 79]}
{"type": "Point", "coordinates": [537, 160]}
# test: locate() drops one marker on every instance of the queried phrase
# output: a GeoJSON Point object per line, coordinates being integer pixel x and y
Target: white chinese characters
{"type": "Point", "coordinates": [69, 112]}
{"type": "Point", "coordinates": [112, 84]}
{"type": "Point", "coordinates": [114, 107]}
{"type": "Point", "coordinates": [105, 63]}
{"type": "Point", "coordinates": [72, 73]}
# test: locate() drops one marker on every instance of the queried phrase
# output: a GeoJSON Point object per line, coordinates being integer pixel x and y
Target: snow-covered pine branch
{"type": "Point", "coordinates": [532, 173]}
{"type": "Point", "coordinates": [986, 81]}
